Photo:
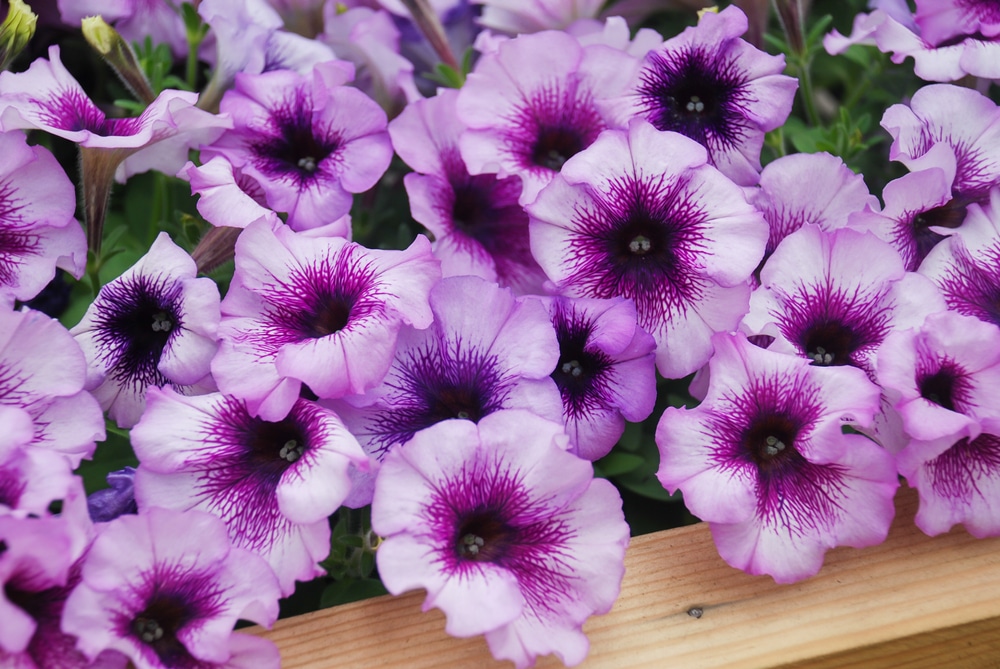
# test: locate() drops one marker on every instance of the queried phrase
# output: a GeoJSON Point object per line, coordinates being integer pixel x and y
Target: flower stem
{"type": "Point", "coordinates": [97, 176]}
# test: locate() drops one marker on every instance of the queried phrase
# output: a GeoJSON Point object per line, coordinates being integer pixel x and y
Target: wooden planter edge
{"type": "Point", "coordinates": [913, 601]}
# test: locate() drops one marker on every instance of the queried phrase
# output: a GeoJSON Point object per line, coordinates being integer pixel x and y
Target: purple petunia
{"type": "Point", "coordinates": [152, 326]}
{"type": "Point", "coordinates": [485, 351]}
{"type": "Point", "coordinates": [606, 370]}
{"type": "Point", "coordinates": [510, 535]}
{"type": "Point", "coordinates": [308, 141]}
{"type": "Point", "coordinates": [764, 461]}
{"type": "Point", "coordinates": [715, 88]}
{"type": "Point", "coordinates": [478, 226]}
{"type": "Point", "coordinates": [322, 312]}
{"type": "Point", "coordinates": [966, 265]}
{"type": "Point", "coordinates": [531, 105]}
{"type": "Point", "coordinates": [43, 373]}
{"type": "Point", "coordinates": [641, 214]}
{"type": "Point", "coordinates": [165, 588]}
{"type": "Point", "coordinates": [37, 230]}
{"type": "Point", "coordinates": [274, 483]}
{"type": "Point", "coordinates": [833, 297]}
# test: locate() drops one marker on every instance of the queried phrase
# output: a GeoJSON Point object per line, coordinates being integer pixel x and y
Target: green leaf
{"type": "Point", "coordinates": [617, 463]}
{"type": "Point", "coordinates": [346, 591]}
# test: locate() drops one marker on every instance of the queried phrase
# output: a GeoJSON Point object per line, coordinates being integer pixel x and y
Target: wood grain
{"type": "Point", "coordinates": [914, 601]}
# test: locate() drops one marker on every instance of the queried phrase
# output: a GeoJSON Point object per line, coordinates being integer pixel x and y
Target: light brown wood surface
{"type": "Point", "coordinates": [913, 602]}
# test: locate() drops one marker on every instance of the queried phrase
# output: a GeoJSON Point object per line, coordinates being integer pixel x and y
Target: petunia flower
{"type": "Point", "coordinates": [47, 97]}
{"type": "Point", "coordinates": [134, 19]}
{"type": "Point", "coordinates": [154, 325]}
{"type": "Point", "coordinates": [957, 478]}
{"type": "Point", "coordinates": [322, 312]}
{"type": "Point", "coordinates": [532, 16]}
{"type": "Point", "coordinates": [966, 265]}
{"type": "Point", "coordinates": [274, 484]}
{"type": "Point", "coordinates": [919, 213]}
{"type": "Point", "coordinates": [715, 88]}
{"type": "Point", "coordinates": [944, 377]}
{"type": "Point", "coordinates": [248, 38]}
{"type": "Point", "coordinates": [833, 297]}
{"type": "Point", "coordinates": [369, 38]}
{"type": "Point", "coordinates": [477, 224]}
{"type": "Point", "coordinates": [606, 371]}
{"type": "Point", "coordinates": [764, 460]}
{"type": "Point", "coordinates": [485, 351]}
{"type": "Point", "coordinates": [308, 141]}
{"type": "Point", "coordinates": [946, 38]}
{"type": "Point", "coordinates": [641, 214]}
{"type": "Point", "coordinates": [166, 588]}
{"type": "Point", "coordinates": [808, 189]}
{"type": "Point", "coordinates": [37, 230]}
{"type": "Point", "coordinates": [510, 535]}
{"type": "Point", "coordinates": [43, 372]}
{"type": "Point", "coordinates": [532, 104]}
{"type": "Point", "coordinates": [959, 118]}
{"type": "Point", "coordinates": [119, 498]}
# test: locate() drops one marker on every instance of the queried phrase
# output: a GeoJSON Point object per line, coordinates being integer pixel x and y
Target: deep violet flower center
{"type": "Point", "coordinates": [689, 93]}
{"type": "Point", "coordinates": [138, 322]}
{"type": "Point", "coordinates": [458, 401]}
{"type": "Point", "coordinates": [770, 441]}
{"type": "Point", "coordinates": [296, 147]}
{"type": "Point", "coordinates": [946, 386]}
{"type": "Point", "coordinates": [275, 446]}
{"type": "Point", "coordinates": [555, 145]}
{"type": "Point", "coordinates": [331, 316]}
{"type": "Point", "coordinates": [482, 537]}
{"type": "Point", "coordinates": [579, 371]}
{"type": "Point", "coordinates": [157, 626]}
{"type": "Point", "coordinates": [829, 343]}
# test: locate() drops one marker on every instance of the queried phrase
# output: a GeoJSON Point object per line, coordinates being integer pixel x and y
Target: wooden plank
{"type": "Point", "coordinates": [913, 601]}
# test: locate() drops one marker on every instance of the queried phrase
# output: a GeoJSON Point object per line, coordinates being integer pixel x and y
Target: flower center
{"type": "Point", "coordinates": [307, 164]}
{"type": "Point", "coordinates": [162, 322]}
{"type": "Point", "coordinates": [482, 537]}
{"type": "Point", "coordinates": [147, 629]}
{"type": "Point", "coordinates": [695, 105]}
{"type": "Point", "coordinates": [331, 316]}
{"type": "Point", "coordinates": [946, 387]}
{"type": "Point", "coordinates": [275, 446]}
{"type": "Point", "coordinates": [157, 626]}
{"type": "Point", "coordinates": [457, 402]}
{"type": "Point", "coordinates": [829, 343]}
{"type": "Point", "coordinates": [770, 440]}
{"type": "Point", "coordinates": [292, 450]}
{"type": "Point", "coordinates": [573, 368]}
{"type": "Point", "coordinates": [555, 146]}
{"type": "Point", "coordinates": [640, 245]}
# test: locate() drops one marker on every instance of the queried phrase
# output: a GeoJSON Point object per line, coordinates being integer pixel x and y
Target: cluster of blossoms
{"type": "Point", "coordinates": [597, 215]}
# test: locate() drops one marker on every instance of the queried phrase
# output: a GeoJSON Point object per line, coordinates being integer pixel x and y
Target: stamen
{"type": "Point", "coordinates": [695, 104]}
{"type": "Point", "coordinates": [471, 544]}
{"type": "Point", "coordinates": [774, 446]}
{"type": "Point", "coordinates": [821, 357]}
{"type": "Point", "coordinates": [162, 322]}
{"type": "Point", "coordinates": [640, 245]}
{"type": "Point", "coordinates": [307, 164]}
{"type": "Point", "coordinates": [464, 415]}
{"type": "Point", "coordinates": [147, 629]}
{"type": "Point", "coordinates": [573, 368]}
{"type": "Point", "coordinates": [292, 450]}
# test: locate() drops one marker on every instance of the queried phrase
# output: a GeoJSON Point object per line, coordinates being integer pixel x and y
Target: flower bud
{"type": "Point", "coordinates": [119, 55]}
{"type": "Point", "coordinates": [16, 31]}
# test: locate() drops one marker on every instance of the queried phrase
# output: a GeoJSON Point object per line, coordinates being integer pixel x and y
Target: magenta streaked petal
{"type": "Point", "coordinates": [763, 459]}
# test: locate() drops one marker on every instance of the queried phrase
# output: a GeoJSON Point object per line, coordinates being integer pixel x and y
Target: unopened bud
{"type": "Point", "coordinates": [16, 31]}
{"type": "Point", "coordinates": [119, 55]}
